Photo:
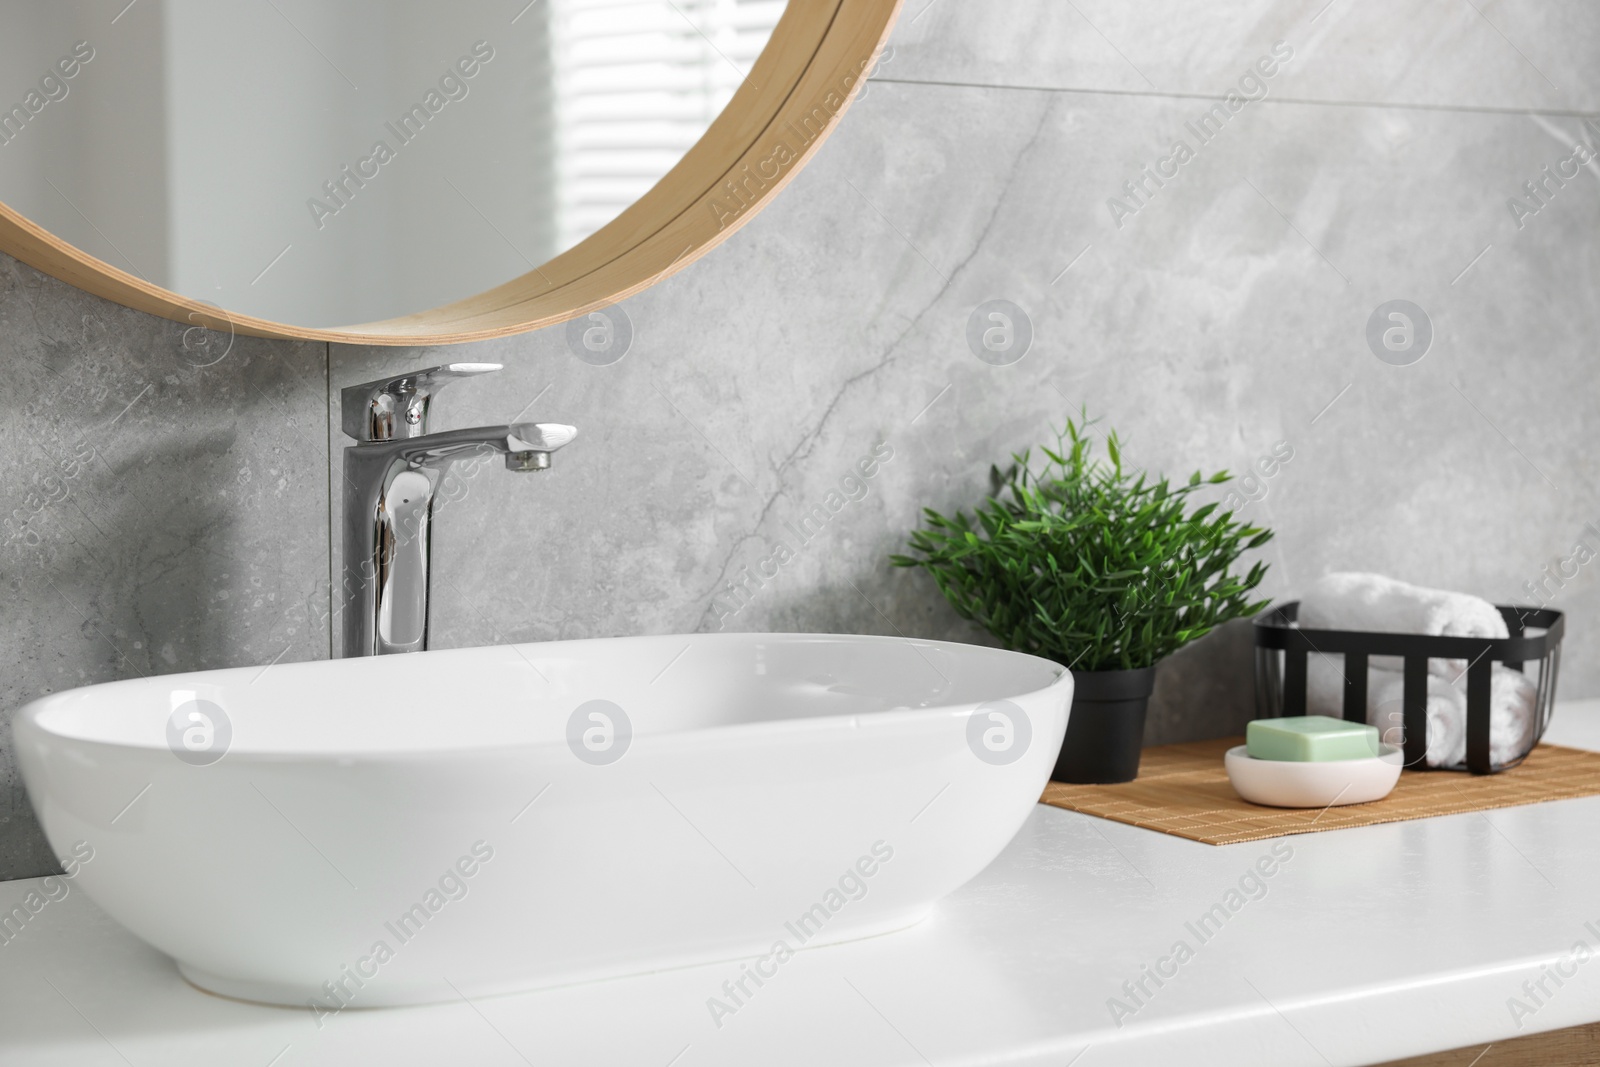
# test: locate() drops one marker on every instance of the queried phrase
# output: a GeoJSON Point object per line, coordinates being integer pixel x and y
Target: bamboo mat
{"type": "Point", "coordinates": [1183, 790]}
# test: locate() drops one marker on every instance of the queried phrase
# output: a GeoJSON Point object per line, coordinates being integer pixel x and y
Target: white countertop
{"type": "Point", "coordinates": [1366, 945]}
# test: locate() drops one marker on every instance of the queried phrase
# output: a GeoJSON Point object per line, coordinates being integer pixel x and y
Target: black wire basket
{"type": "Point", "coordinates": [1282, 649]}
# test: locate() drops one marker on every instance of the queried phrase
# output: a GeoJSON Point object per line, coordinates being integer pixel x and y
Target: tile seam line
{"type": "Point", "coordinates": [1218, 97]}
{"type": "Point", "coordinates": [334, 516]}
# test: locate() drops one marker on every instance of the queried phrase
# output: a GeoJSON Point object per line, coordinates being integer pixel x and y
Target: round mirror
{"type": "Point", "coordinates": [405, 172]}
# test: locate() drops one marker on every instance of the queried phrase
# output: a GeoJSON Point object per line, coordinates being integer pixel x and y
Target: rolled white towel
{"type": "Point", "coordinates": [1352, 600]}
{"type": "Point", "coordinates": [1512, 699]}
{"type": "Point", "coordinates": [1446, 716]}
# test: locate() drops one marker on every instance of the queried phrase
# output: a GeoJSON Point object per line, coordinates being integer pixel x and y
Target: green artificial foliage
{"type": "Point", "coordinates": [1087, 564]}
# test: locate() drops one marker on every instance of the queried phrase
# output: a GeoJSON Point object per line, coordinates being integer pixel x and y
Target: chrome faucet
{"type": "Point", "coordinates": [390, 482]}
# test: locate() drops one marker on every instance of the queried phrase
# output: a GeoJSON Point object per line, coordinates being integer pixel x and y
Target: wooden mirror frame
{"type": "Point", "coordinates": [811, 69]}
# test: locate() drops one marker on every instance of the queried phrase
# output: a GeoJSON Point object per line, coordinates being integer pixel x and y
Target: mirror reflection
{"type": "Point", "coordinates": [327, 164]}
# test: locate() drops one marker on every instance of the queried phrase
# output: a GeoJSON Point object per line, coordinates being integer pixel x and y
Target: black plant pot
{"type": "Point", "coordinates": [1106, 727]}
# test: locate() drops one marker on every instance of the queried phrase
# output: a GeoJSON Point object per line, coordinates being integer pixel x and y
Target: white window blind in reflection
{"type": "Point", "coordinates": [637, 82]}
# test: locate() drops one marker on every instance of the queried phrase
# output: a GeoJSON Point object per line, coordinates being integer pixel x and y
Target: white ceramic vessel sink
{"type": "Point", "coordinates": [443, 824]}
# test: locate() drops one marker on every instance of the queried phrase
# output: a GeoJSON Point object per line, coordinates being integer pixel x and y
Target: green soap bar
{"type": "Point", "coordinates": [1310, 739]}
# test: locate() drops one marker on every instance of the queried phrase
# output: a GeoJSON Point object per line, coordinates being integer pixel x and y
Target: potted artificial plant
{"type": "Point", "coordinates": [1104, 571]}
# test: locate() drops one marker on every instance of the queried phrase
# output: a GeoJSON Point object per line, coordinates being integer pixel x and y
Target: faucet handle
{"type": "Point", "coordinates": [392, 409]}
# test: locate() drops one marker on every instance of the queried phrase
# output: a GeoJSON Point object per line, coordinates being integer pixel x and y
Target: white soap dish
{"type": "Point", "coordinates": [1294, 784]}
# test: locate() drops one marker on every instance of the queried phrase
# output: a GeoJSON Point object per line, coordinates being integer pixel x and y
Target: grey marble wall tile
{"type": "Point", "coordinates": [1225, 315]}
{"type": "Point", "coordinates": [1506, 54]}
{"type": "Point", "coordinates": [1228, 313]}
{"type": "Point", "coordinates": [730, 396]}
{"type": "Point", "coordinates": [164, 505]}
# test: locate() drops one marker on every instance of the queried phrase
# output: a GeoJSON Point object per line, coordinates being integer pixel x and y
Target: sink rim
{"type": "Point", "coordinates": [34, 715]}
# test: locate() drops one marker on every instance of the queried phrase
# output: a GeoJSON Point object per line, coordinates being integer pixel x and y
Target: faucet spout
{"type": "Point", "coordinates": [516, 441]}
{"type": "Point", "coordinates": [535, 441]}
